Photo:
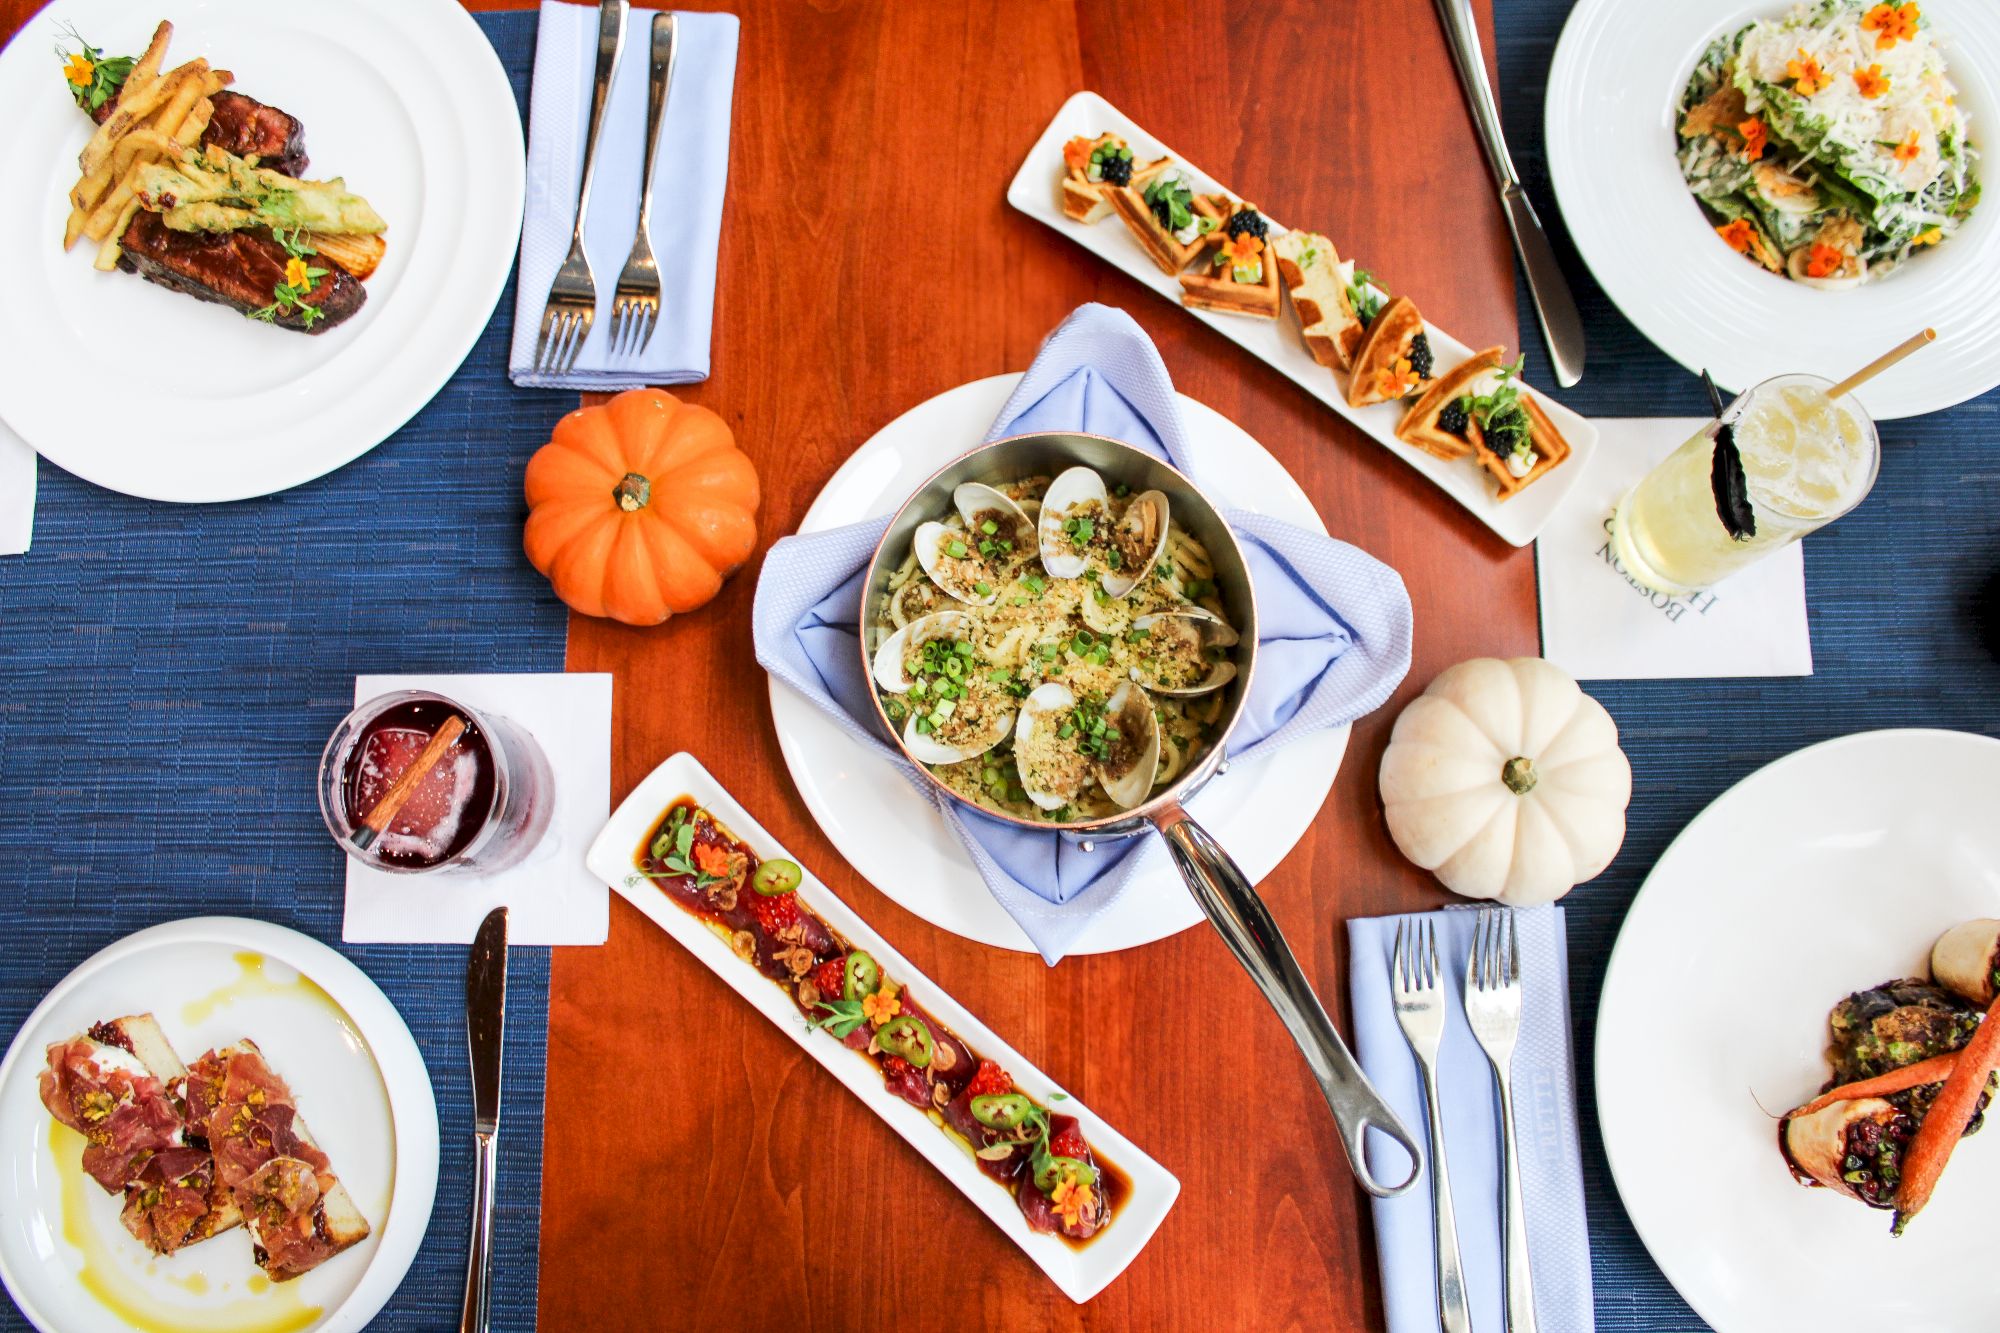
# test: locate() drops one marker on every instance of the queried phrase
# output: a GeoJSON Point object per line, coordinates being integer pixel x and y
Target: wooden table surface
{"type": "Point", "coordinates": [868, 262]}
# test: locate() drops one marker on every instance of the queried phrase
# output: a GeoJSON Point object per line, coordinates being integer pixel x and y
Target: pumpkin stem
{"type": "Point", "coordinates": [1519, 775]}
{"type": "Point", "coordinates": [632, 492]}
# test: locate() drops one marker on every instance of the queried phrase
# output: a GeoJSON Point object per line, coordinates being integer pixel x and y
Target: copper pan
{"type": "Point", "coordinates": [1221, 889]}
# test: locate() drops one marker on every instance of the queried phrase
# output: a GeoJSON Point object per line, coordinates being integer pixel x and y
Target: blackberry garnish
{"type": "Point", "coordinates": [1249, 220]}
{"type": "Point", "coordinates": [1116, 169]}
{"type": "Point", "coordinates": [1454, 419]}
{"type": "Point", "coordinates": [1420, 356]}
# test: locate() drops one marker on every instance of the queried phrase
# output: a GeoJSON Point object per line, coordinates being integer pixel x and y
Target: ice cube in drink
{"type": "Point", "coordinates": [1807, 460]}
{"type": "Point", "coordinates": [449, 804]}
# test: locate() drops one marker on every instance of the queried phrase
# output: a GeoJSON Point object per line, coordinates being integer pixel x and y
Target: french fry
{"type": "Point", "coordinates": [74, 227]}
{"type": "Point", "coordinates": [190, 88]}
{"type": "Point", "coordinates": [147, 67]}
{"type": "Point", "coordinates": [196, 124]}
{"type": "Point", "coordinates": [132, 111]}
{"type": "Point", "coordinates": [108, 250]}
{"type": "Point", "coordinates": [357, 254]}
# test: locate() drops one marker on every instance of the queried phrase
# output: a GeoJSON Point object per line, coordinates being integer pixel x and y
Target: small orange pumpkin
{"type": "Point", "coordinates": [639, 508]}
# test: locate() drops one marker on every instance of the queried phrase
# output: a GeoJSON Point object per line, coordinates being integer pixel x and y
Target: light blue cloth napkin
{"type": "Point", "coordinates": [1545, 1130]}
{"type": "Point", "coordinates": [1335, 625]}
{"type": "Point", "coordinates": [687, 191]}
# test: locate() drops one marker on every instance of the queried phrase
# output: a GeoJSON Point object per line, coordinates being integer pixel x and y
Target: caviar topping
{"type": "Point", "coordinates": [1421, 360]}
{"type": "Point", "coordinates": [1111, 163]}
{"type": "Point", "coordinates": [1247, 221]}
{"type": "Point", "coordinates": [1455, 418]}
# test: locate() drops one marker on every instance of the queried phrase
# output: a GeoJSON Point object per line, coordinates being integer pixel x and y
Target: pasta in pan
{"type": "Point", "coordinates": [1054, 650]}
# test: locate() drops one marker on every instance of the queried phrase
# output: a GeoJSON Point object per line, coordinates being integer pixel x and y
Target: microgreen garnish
{"type": "Point", "coordinates": [673, 849]}
{"type": "Point", "coordinates": [1361, 294]}
{"type": "Point", "coordinates": [93, 78]}
{"type": "Point", "coordinates": [290, 295]}
{"type": "Point", "coordinates": [1503, 420]}
{"type": "Point", "coordinates": [842, 1017]}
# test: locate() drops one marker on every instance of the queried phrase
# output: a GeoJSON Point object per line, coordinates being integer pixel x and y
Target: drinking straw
{"type": "Point", "coordinates": [1882, 363]}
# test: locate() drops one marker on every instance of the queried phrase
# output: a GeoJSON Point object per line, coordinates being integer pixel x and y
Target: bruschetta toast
{"type": "Point", "coordinates": [1319, 283]}
{"type": "Point", "coordinates": [1239, 276]}
{"type": "Point", "coordinates": [1094, 167]}
{"type": "Point", "coordinates": [1393, 359]}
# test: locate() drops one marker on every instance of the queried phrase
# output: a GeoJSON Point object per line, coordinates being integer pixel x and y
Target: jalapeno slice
{"type": "Point", "coordinates": [1001, 1110]}
{"type": "Point", "coordinates": [1052, 1170]}
{"type": "Point", "coordinates": [908, 1036]}
{"type": "Point", "coordinates": [860, 977]}
{"type": "Point", "coordinates": [776, 877]}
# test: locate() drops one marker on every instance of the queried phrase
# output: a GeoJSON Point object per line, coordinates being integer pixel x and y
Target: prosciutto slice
{"type": "Point", "coordinates": [169, 1204]}
{"type": "Point", "coordinates": [122, 1111]}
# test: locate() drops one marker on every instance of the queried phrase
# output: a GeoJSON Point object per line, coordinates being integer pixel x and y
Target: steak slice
{"type": "Point", "coordinates": [236, 268]}
{"type": "Point", "coordinates": [250, 128]}
{"type": "Point", "coordinates": [247, 127]}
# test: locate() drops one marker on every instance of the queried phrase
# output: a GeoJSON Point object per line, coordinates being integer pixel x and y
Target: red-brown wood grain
{"type": "Point", "coordinates": [698, 1170]}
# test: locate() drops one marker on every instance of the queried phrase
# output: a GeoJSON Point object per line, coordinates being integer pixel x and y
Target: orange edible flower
{"type": "Point", "coordinates": [1396, 380]}
{"type": "Point", "coordinates": [881, 1006]}
{"type": "Point", "coordinates": [1078, 150]}
{"type": "Point", "coordinates": [296, 275]}
{"type": "Point", "coordinates": [1892, 23]}
{"type": "Point", "coordinates": [1908, 150]}
{"type": "Point", "coordinates": [1806, 75]}
{"type": "Point", "coordinates": [1737, 235]}
{"type": "Point", "coordinates": [708, 858]}
{"type": "Point", "coordinates": [1871, 81]}
{"type": "Point", "coordinates": [1071, 1200]}
{"type": "Point", "coordinates": [1243, 248]}
{"type": "Point", "coordinates": [79, 71]}
{"type": "Point", "coordinates": [1825, 260]}
{"type": "Point", "coordinates": [1755, 137]}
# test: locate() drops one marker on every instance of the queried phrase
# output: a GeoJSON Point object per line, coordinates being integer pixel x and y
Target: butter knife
{"type": "Point", "coordinates": [485, 1020]}
{"type": "Point", "coordinates": [1555, 308]}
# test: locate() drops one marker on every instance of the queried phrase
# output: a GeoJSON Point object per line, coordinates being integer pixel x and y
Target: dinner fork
{"type": "Point", "coordinates": [572, 305]}
{"type": "Point", "coordinates": [1493, 1012]}
{"type": "Point", "coordinates": [1418, 982]}
{"type": "Point", "coordinates": [636, 312]}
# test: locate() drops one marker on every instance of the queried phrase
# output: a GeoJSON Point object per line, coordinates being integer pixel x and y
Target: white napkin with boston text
{"type": "Point", "coordinates": [1597, 624]}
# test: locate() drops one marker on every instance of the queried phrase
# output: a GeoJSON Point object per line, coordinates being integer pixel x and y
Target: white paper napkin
{"type": "Point", "coordinates": [1598, 625]}
{"type": "Point", "coordinates": [552, 898]}
{"type": "Point", "coordinates": [17, 493]}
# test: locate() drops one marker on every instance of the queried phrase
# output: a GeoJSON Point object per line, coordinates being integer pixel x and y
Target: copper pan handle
{"type": "Point", "coordinates": [1246, 925]}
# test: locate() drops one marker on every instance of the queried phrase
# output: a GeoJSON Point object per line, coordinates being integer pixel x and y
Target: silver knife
{"type": "Point", "coordinates": [485, 1020]}
{"type": "Point", "coordinates": [1562, 327]}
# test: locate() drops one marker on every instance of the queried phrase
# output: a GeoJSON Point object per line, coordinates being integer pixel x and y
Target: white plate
{"type": "Point", "coordinates": [1081, 1273]}
{"type": "Point", "coordinates": [890, 833]}
{"type": "Point", "coordinates": [1036, 191]}
{"type": "Point", "coordinates": [1617, 78]}
{"type": "Point", "coordinates": [1824, 873]}
{"type": "Point", "coordinates": [327, 1030]}
{"type": "Point", "coordinates": [153, 393]}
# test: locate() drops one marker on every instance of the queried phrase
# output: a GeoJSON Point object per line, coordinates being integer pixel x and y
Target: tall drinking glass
{"type": "Point", "coordinates": [1807, 458]}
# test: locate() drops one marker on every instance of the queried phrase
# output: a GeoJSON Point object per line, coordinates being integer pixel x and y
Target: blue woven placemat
{"type": "Point", "coordinates": [1892, 592]}
{"type": "Point", "coordinates": [168, 676]}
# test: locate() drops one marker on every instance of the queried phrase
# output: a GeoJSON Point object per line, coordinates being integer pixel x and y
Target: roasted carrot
{"type": "Point", "coordinates": [1933, 1070]}
{"type": "Point", "coordinates": [1949, 1115]}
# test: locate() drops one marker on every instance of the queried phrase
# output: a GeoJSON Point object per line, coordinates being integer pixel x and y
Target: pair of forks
{"type": "Point", "coordinates": [572, 304]}
{"type": "Point", "coordinates": [1493, 1012]}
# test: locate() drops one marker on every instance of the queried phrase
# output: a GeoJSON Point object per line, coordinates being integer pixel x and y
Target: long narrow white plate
{"type": "Point", "coordinates": [1821, 874]}
{"type": "Point", "coordinates": [895, 837]}
{"type": "Point", "coordinates": [1036, 191]}
{"type": "Point", "coordinates": [328, 1031]}
{"type": "Point", "coordinates": [1080, 1272]}
{"type": "Point", "coordinates": [155, 394]}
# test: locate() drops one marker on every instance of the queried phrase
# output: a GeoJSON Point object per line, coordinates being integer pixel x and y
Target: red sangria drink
{"type": "Point", "coordinates": [413, 781]}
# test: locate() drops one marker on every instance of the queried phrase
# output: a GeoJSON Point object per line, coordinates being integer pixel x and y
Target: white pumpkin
{"type": "Point", "coordinates": [1505, 780]}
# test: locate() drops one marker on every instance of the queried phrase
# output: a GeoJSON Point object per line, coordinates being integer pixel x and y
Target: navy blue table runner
{"type": "Point", "coordinates": [1892, 594]}
{"type": "Point", "coordinates": [168, 676]}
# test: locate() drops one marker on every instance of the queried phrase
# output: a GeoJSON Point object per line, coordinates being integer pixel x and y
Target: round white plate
{"type": "Point", "coordinates": [1824, 873]}
{"type": "Point", "coordinates": [895, 838]}
{"type": "Point", "coordinates": [1609, 121]}
{"type": "Point", "coordinates": [153, 393]}
{"type": "Point", "coordinates": [362, 1088]}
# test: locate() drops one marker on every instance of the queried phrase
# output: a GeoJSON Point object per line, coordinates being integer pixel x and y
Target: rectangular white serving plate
{"type": "Point", "coordinates": [1081, 1273]}
{"type": "Point", "coordinates": [1036, 191]}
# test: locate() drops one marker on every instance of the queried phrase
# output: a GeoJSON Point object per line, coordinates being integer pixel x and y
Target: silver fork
{"type": "Point", "coordinates": [572, 306]}
{"type": "Point", "coordinates": [1418, 982]}
{"type": "Point", "coordinates": [1493, 1011]}
{"type": "Point", "coordinates": [636, 312]}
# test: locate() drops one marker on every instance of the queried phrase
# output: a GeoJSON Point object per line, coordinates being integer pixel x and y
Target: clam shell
{"type": "Point", "coordinates": [1127, 778]}
{"type": "Point", "coordinates": [932, 542]}
{"type": "Point", "coordinates": [1208, 631]}
{"type": "Point", "coordinates": [1145, 518]}
{"type": "Point", "coordinates": [888, 663]}
{"type": "Point", "coordinates": [1032, 737]}
{"type": "Point", "coordinates": [927, 749]}
{"type": "Point", "coordinates": [1079, 486]}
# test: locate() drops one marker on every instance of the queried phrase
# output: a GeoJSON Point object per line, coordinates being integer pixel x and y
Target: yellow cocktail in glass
{"type": "Point", "coordinates": [1807, 460]}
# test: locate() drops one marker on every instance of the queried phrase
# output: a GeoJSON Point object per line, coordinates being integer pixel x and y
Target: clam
{"type": "Point", "coordinates": [1077, 494]}
{"type": "Point", "coordinates": [1178, 660]}
{"type": "Point", "coordinates": [1127, 773]}
{"type": "Point", "coordinates": [1054, 770]}
{"type": "Point", "coordinates": [1140, 539]}
{"type": "Point", "coordinates": [995, 719]}
{"type": "Point", "coordinates": [952, 556]}
{"type": "Point", "coordinates": [890, 667]}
